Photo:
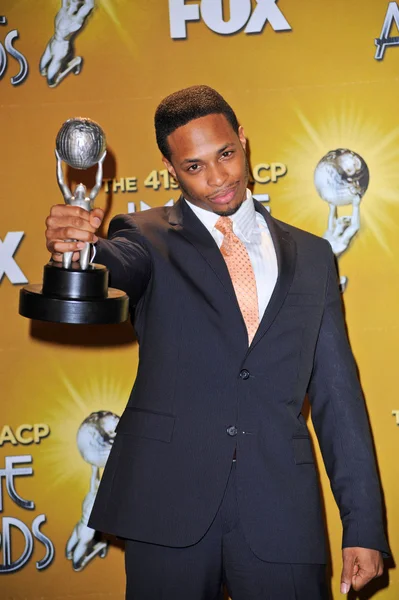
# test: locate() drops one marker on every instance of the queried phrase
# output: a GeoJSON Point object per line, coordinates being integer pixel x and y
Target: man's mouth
{"type": "Point", "coordinates": [224, 196]}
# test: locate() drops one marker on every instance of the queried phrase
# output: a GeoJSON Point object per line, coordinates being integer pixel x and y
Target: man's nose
{"type": "Point", "coordinates": [216, 176]}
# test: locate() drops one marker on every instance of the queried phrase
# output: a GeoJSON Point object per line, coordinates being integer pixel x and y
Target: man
{"type": "Point", "coordinates": [211, 478]}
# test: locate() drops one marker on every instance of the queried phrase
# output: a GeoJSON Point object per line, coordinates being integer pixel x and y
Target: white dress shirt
{"type": "Point", "coordinates": [251, 228]}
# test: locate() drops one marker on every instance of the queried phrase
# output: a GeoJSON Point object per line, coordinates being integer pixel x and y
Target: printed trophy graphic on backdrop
{"type": "Point", "coordinates": [76, 292]}
{"type": "Point", "coordinates": [59, 58]}
{"type": "Point", "coordinates": [94, 439]}
{"type": "Point", "coordinates": [341, 178]}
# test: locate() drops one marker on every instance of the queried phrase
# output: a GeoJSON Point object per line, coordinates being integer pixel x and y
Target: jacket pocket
{"type": "Point", "coordinates": [146, 424]}
{"type": "Point", "coordinates": [303, 453]}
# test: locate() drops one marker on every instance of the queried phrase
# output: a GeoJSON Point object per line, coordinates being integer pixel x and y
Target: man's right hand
{"type": "Point", "coordinates": [73, 223]}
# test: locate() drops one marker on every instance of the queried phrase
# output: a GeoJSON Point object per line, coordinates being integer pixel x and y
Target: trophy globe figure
{"type": "Point", "coordinates": [341, 178]}
{"type": "Point", "coordinates": [80, 144]}
{"type": "Point", "coordinates": [94, 439]}
{"type": "Point", "coordinates": [76, 292]}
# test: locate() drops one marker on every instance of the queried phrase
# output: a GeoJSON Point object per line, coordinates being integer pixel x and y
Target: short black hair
{"type": "Point", "coordinates": [184, 106]}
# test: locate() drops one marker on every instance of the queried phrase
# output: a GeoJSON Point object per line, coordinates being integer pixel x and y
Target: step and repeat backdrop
{"type": "Point", "coordinates": [315, 85]}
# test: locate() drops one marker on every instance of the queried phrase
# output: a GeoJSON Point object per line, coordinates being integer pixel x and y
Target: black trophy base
{"type": "Point", "coordinates": [74, 296]}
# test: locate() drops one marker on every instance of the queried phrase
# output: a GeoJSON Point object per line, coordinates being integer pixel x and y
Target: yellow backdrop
{"type": "Point", "coordinates": [304, 80]}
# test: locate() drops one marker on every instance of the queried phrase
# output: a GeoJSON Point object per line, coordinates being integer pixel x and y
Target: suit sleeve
{"type": "Point", "coordinates": [340, 419]}
{"type": "Point", "coordinates": [126, 256]}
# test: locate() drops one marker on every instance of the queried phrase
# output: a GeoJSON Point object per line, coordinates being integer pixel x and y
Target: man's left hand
{"type": "Point", "coordinates": [360, 565]}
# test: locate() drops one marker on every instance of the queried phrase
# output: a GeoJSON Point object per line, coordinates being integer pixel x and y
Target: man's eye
{"type": "Point", "coordinates": [193, 168]}
{"type": "Point", "coordinates": [227, 153]}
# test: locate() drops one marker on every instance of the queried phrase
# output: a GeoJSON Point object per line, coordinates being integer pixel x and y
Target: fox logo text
{"type": "Point", "coordinates": [241, 14]}
{"type": "Point", "coordinates": [8, 266]}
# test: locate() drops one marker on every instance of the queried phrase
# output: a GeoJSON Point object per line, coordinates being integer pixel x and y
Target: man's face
{"type": "Point", "coordinates": [208, 160]}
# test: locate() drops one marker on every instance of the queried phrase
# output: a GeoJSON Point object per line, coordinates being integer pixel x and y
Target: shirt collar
{"type": "Point", "coordinates": [244, 220]}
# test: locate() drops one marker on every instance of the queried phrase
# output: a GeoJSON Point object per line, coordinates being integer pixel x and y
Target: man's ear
{"type": "Point", "coordinates": [241, 137]}
{"type": "Point", "coordinates": [169, 166]}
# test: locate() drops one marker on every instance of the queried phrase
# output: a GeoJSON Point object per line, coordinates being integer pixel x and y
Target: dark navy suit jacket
{"type": "Point", "coordinates": [201, 393]}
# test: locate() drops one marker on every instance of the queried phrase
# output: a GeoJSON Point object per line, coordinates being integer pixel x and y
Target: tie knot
{"type": "Point", "coordinates": [224, 225]}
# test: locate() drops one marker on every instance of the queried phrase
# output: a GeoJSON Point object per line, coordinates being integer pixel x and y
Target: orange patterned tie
{"type": "Point", "coordinates": [242, 275]}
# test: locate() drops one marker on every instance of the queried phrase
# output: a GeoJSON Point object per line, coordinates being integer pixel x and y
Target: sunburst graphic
{"type": "Point", "coordinates": [110, 7]}
{"type": "Point", "coordinates": [345, 127]}
{"type": "Point", "coordinates": [82, 396]}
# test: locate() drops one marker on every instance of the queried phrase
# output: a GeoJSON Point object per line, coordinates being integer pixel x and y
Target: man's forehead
{"type": "Point", "coordinates": [204, 134]}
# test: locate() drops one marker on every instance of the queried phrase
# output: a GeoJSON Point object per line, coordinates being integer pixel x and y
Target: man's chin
{"type": "Point", "coordinates": [228, 211]}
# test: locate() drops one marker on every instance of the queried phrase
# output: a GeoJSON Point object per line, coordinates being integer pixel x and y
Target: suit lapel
{"type": "Point", "coordinates": [184, 220]}
{"type": "Point", "coordinates": [285, 248]}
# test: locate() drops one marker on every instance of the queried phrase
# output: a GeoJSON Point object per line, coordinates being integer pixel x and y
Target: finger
{"type": "Point", "coordinates": [70, 233]}
{"type": "Point", "coordinates": [347, 573]}
{"type": "Point", "coordinates": [57, 256]}
{"type": "Point", "coordinates": [60, 210]}
{"type": "Point", "coordinates": [366, 574]}
{"type": "Point", "coordinates": [59, 240]}
{"type": "Point", "coordinates": [96, 217]}
{"type": "Point", "coordinates": [58, 246]}
{"type": "Point", "coordinates": [380, 569]}
{"type": "Point", "coordinates": [361, 578]}
{"type": "Point", "coordinates": [56, 222]}
{"type": "Point", "coordinates": [78, 240]}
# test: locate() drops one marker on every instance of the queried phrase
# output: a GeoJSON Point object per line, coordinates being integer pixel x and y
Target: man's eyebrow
{"type": "Point", "coordinates": [224, 148]}
{"type": "Point", "coordinates": [190, 160]}
{"type": "Point", "coordinates": [197, 160]}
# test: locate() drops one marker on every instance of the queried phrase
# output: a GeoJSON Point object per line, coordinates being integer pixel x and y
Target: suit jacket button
{"type": "Point", "coordinates": [232, 430]}
{"type": "Point", "coordinates": [244, 374]}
